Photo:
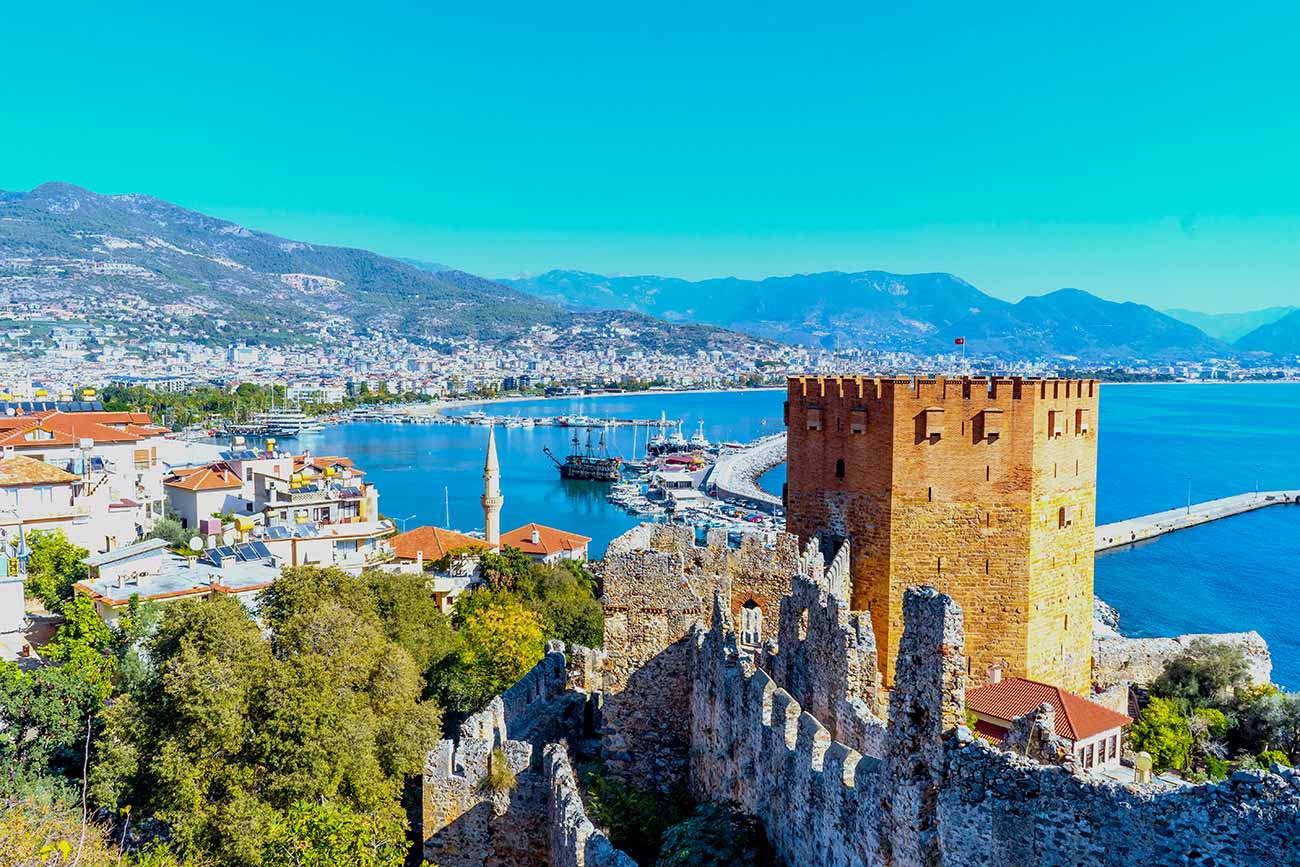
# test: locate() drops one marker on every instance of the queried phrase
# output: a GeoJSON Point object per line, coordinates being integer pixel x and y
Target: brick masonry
{"type": "Point", "coordinates": [985, 489]}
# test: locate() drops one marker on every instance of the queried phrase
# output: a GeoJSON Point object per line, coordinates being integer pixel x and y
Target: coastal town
{"type": "Point", "coordinates": [559, 435]}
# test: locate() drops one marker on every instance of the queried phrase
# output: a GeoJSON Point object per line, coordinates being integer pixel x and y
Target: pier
{"type": "Point", "coordinates": [1127, 532]}
{"type": "Point", "coordinates": [735, 476]}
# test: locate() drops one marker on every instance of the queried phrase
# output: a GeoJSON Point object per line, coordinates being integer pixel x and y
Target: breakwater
{"type": "Point", "coordinates": [735, 476]}
{"type": "Point", "coordinates": [1132, 530]}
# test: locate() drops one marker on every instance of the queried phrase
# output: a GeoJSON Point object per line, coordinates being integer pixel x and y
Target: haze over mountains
{"type": "Point", "coordinates": [920, 312]}
{"type": "Point", "coordinates": [149, 262]}
{"type": "Point", "coordinates": [161, 268]}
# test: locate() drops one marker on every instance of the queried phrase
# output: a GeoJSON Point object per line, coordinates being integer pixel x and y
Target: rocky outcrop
{"type": "Point", "coordinates": [1140, 660]}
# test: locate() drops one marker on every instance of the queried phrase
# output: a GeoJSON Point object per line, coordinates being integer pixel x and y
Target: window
{"type": "Point", "coordinates": [814, 418]}
{"type": "Point", "coordinates": [1054, 422]}
{"type": "Point", "coordinates": [858, 420]}
{"type": "Point", "coordinates": [751, 625]}
{"type": "Point", "coordinates": [934, 422]}
{"type": "Point", "coordinates": [991, 420]}
{"type": "Point", "coordinates": [839, 468]}
{"type": "Point", "coordinates": [1063, 517]}
{"type": "Point", "coordinates": [248, 474]}
{"type": "Point", "coordinates": [1080, 422]}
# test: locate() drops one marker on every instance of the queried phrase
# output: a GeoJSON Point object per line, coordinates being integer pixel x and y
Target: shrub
{"type": "Point", "coordinates": [1206, 674]}
{"type": "Point", "coordinates": [499, 779]}
{"type": "Point", "coordinates": [1163, 732]}
{"type": "Point", "coordinates": [1268, 757]}
{"type": "Point", "coordinates": [717, 835]}
{"type": "Point", "coordinates": [634, 818]}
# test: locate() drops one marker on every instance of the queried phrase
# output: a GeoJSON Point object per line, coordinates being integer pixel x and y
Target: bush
{"type": "Point", "coordinates": [1163, 732]}
{"type": "Point", "coordinates": [499, 779]}
{"type": "Point", "coordinates": [1215, 768]}
{"type": "Point", "coordinates": [634, 818]}
{"type": "Point", "coordinates": [717, 835]}
{"type": "Point", "coordinates": [1206, 674]}
{"type": "Point", "coordinates": [1268, 757]}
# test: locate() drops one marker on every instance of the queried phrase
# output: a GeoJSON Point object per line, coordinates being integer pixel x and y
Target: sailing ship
{"type": "Point", "coordinates": [589, 463]}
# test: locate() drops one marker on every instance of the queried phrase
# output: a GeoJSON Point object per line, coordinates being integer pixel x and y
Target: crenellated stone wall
{"type": "Point", "coordinates": [791, 733]}
{"type": "Point", "coordinates": [539, 820]}
{"type": "Point", "coordinates": [940, 797]}
{"type": "Point", "coordinates": [658, 584]}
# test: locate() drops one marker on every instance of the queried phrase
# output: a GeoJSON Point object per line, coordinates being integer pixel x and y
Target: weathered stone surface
{"type": "Point", "coordinates": [466, 824]}
{"type": "Point", "coordinates": [1140, 660]}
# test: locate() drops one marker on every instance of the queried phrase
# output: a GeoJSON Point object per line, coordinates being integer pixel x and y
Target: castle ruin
{"type": "Point", "coordinates": [800, 734]}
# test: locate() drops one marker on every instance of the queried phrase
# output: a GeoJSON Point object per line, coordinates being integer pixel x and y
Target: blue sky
{"type": "Point", "coordinates": [1141, 151]}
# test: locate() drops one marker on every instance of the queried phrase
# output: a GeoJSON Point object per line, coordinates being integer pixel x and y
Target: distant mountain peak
{"type": "Point", "coordinates": [921, 312]}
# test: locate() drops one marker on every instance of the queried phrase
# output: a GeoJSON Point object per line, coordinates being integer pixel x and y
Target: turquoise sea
{"type": "Point", "coordinates": [1229, 576]}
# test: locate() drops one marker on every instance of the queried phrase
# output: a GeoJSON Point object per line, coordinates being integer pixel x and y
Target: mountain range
{"type": "Point", "coordinates": [1230, 326]}
{"type": "Point", "coordinates": [156, 267]}
{"type": "Point", "coordinates": [177, 271]}
{"type": "Point", "coordinates": [919, 312]}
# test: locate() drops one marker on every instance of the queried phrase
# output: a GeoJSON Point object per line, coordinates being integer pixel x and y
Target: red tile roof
{"type": "Point", "coordinates": [435, 542]}
{"type": "Point", "coordinates": [213, 477]}
{"type": "Point", "coordinates": [1076, 717]}
{"type": "Point", "coordinates": [66, 428]}
{"type": "Point", "coordinates": [549, 540]}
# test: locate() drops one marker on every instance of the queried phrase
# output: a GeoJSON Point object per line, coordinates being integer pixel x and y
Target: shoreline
{"type": "Point", "coordinates": [437, 406]}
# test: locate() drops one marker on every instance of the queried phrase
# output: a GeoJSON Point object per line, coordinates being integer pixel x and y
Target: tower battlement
{"type": "Point", "coordinates": [976, 388]}
{"type": "Point", "coordinates": [984, 488]}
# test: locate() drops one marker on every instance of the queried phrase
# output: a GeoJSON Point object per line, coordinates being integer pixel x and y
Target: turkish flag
{"type": "Point", "coordinates": [960, 341]}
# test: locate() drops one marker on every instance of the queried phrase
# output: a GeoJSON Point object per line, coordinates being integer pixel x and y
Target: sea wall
{"type": "Point", "coordinates": [1140, 660]}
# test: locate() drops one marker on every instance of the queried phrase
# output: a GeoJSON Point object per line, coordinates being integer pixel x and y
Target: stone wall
{"type": "Point", "coordinates": [465, 823]}
{"type": "Point", "coordinates": [659, 584]}
{"type": "Point", "coordinates": [942, 798]}
{"type": "Point", "coordinates": [825, 656]}
{"type": "Point", "coordinates": [572, 841]}
{"type": "Point", "coordinates": [1140, 660]}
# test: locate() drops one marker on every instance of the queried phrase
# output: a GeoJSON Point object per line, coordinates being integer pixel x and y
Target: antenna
{"type": "Point", "coordinates": [404, 520]}
{"type": "Point", "coordinates": [446, 502]}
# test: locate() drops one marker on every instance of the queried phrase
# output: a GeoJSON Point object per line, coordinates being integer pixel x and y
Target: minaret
{"type": "Point", "coordinates": [492, 498]}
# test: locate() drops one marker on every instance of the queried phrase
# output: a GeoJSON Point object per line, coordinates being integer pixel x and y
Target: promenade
{"type": "Point", "coordinates": [1122, 533]}
{"type": "Point", "coordinates": [735, 476]}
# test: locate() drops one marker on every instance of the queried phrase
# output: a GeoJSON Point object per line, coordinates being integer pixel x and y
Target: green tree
{"type": "Point", "coordinates": [716, 835]}
{"type": "Point", "coordinates": [234, 726]}
{"type": "Point", "coordinates": [1162, 731]}
{"type": "Point", "coordinates": [85, 646]}
{"type": "Point", "coordinates": [170, 531]}
{"type": "Point", "coordinates": [1271, 722]}
{"type": "Point", "coordinates": [1207, 674]}
{"type": "Point", "coordinates": [54, 566]}
{"type": "Point", "coordinates": [498, 640]}
{"type": "Point", "coordinates": [44, 716]}
{"type": "Point", "coordinates": [331, 835]}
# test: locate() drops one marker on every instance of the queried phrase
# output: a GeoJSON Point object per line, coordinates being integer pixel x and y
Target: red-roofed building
{"type": "Point", "coordinates": [418, 549]}
{"type": "Point", "coordinates": [547, 544]}
{"type": "Point", "coordinates": [1093, 732]}
{"type": "Point", "coordinates": [115, 454]}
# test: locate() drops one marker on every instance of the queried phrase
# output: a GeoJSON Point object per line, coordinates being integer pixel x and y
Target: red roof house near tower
{"type": "Point", "coordinates": [1093, 731]}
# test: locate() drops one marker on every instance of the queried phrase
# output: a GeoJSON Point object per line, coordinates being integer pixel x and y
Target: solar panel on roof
{"type": "Point", "coordinates": [278, 532]}
{"type": "Point", "coordinates": [97, 405]}
{"type": "Point", "coordinates": [226, 551]}
{"type": "Point", "coordinates": [263, 552]}
{"type": "Point", "coordinates": [246, 552]}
